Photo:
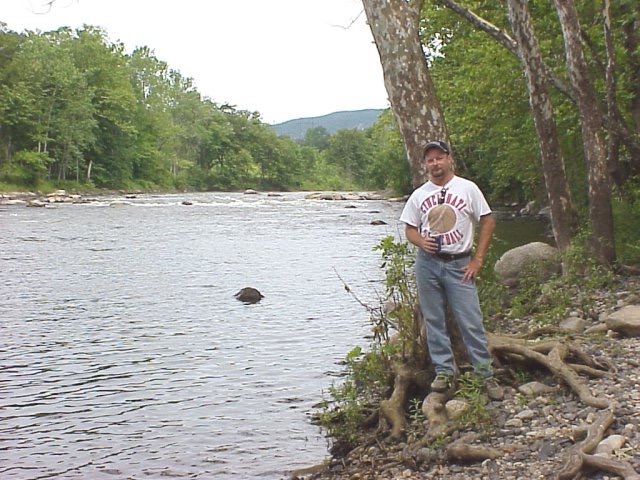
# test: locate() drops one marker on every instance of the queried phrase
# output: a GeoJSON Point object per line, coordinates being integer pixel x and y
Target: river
{"type": "Point", "coordinates": [126, 355]}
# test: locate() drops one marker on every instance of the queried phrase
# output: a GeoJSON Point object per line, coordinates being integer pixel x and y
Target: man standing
{"type": "Point", "coordinates": [440, 218]}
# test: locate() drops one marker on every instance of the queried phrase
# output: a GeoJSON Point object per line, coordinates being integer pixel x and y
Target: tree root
{"type": "Point", "coordinates": [462, 450]}
{"type": "Point", "coordinates": [595, 434]}
{"type": "Point", "coordinates": [580, 457]}
{"type": "Point", "coordinates": [613, 465]}
{"type": "Point", "coordinates": [433, 409]}
{"type": "Point", "coordinates": [394, 408]}
{"type": "Point", "coordinates": [554, 361]}
{"type": "Point", "coordinates": [566, 361]}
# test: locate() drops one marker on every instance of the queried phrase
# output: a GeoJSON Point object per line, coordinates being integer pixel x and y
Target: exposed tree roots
{"type": "Point", "coordinates": [566, 361]}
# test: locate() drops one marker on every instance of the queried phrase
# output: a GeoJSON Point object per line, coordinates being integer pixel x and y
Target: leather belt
{"type": "Point", "coordinates": [451, 256]}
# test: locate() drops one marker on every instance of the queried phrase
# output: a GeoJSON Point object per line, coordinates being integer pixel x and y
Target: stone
{"type": "Point", "coordinates": [456, 408]}
{"type": "Point", "coordinates": [249, 295]}
{"type": "Point", "coordinates": [573, 325]}
{"type": "Point", "coordinates": [535, 389]}
{"type": "Point", "coordinates": [526, 414]}
{"type": "Point", "coordinates": [625, 321]}
{"type": "Point", "coordinates": [610, 444]}
{"type": "Point", "coordinates": [512, 263]}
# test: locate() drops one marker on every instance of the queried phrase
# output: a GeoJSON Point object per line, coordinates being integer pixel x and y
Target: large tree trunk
{"type": "Point", "coordinates": [563, 218]}
{"type": "Point", "coordinates": [394, 25]}
{"type": "Point", "coordinates": [591, 119]}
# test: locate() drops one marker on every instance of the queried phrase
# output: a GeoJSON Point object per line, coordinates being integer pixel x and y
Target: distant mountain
{"type": "Point", "coordinates": [358, 119]}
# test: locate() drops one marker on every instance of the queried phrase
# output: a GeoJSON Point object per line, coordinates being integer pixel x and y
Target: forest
{"type": "Point", "coordinates": [78, 112]}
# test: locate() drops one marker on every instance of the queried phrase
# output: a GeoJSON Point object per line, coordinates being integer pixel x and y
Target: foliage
{"type": "Point", "coordinates": [342, 414]}
{"type": "Point", "coordinates": [548, 300]}
{"type": "Point", "coordinates": [416, 419]}
{"type": "Point", "coordinates": [401, 299]}
{"type": "Point", "coordinates": [626, 214]}
{"type": "Point", "coordinates": [116, 120]}
{"type": "Point", "coordinates": [471, 390]}
{"type": "Point", "coordinates": [317, 137]}
{"type": "Point", "coordinates": [388, 168]}
{"type": "Point", "coordinates": [490, 123]}
{"type": "Point", "coordinates": [26, 168]}
{"type": "Point", "coordinates": [490, 291]}
{"type": "Point", "coordinates": [368, 375]}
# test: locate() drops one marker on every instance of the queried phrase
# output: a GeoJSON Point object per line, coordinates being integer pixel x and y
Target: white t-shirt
{"type": "Point", "coordinates": [454, 220]}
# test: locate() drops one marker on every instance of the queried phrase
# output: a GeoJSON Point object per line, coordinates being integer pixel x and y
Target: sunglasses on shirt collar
{"type": "Point", "coordinates": [443, 192]}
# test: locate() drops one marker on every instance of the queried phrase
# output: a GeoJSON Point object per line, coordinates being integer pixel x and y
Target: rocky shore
{"type": "Point", "coordinates": [538, 424]}
{"type": "Point", "coordinates": [38, 199]}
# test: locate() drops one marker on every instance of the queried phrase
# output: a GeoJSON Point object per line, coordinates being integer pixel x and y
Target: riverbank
{"type": "Point", "coordinates": [538, 425]}
{"type": "Point", "coordinates": [38, 198]}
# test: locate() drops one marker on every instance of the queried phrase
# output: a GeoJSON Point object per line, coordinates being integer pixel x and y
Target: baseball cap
{"type": "Point", "coordinates": [436, 144]}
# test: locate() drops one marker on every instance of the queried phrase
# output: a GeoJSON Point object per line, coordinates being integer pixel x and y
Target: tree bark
{"type": "Point", "coordinates": [591, 119]}
{"type": "Point", "coordinates": [394, 26]}
{"type": "Point", "coordinates": [563, 217]}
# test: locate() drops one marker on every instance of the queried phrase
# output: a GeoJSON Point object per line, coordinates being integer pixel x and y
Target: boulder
{"type": "Point", "coordinates": [249, 295]}
{"type": "Point", "coordinates": [325, 196]}
{"type": "Point", "coordinates": [511, 264]}
{"type": "Point", "coordinates": [573, 324]}
{"type": "Point", "coordinates": [625, 321]}
{"type": "Point", "coordinates": [528, 209]}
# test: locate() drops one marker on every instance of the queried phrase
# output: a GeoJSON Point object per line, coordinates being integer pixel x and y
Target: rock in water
{"type": "Point", "coordinates": [249, 295]}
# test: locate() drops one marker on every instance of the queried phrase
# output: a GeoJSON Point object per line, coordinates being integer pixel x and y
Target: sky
{"type": "Point", "coordinates": [286, 59]}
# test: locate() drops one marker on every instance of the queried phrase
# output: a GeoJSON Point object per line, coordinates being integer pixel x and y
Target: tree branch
{"type": "Point", "coordinates": [504, 39]}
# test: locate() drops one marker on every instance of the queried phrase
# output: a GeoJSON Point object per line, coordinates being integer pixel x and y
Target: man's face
{"type": "Point", "coordinates": [438, 163]}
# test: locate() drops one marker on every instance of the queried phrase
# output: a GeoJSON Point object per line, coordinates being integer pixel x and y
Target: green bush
{"type": "Point", "coordinates": [26, 168]}
{"type": "Point", "coordinates": [626, 216]}
{"type": "Point", "coordinates": [549, 301]}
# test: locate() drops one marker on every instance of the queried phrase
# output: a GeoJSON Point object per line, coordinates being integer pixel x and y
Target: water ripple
{"type": "Point", "coordinates": [126, 355]}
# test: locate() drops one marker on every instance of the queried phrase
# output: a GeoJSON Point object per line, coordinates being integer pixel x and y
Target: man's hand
{"type": "Point", "coordinates": [471, 270]}
{"type": "Point", "coordinates": [429, 244]}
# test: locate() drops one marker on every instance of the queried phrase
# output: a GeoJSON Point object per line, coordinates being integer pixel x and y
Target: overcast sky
{"type": "Point", "coordinates": [284, 58]}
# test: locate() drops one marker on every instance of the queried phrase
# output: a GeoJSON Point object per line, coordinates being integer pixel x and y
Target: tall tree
{"type": "Point", "coordinates": [563, 219]}
{"type": "Point", "coordinates": [592, 123]}
{"type": "Point", "coordinates": [394, 25]}
{"type": "Point", "coordinates": [105, 68]}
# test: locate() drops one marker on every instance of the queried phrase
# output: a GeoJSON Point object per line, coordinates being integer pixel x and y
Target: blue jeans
{"type": "Point", "coordinates": [440, 284]}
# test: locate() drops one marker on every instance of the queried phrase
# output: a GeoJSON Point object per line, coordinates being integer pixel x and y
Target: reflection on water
{"type": "Point", "coordinates": [125, 355]}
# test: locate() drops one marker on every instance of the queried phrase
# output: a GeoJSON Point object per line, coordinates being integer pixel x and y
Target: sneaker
{"type": "Point", "coordinates": [494, 390]}
{"type": "Point", "coordinates": [442, 382]}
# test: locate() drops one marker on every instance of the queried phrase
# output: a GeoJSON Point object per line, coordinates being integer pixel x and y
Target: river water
{"type": "Point", "coordinates": [124, 353]}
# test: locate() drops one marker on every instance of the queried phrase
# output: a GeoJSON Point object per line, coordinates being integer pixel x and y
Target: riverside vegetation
{"type": "Point", "coordinates": [567, 387]}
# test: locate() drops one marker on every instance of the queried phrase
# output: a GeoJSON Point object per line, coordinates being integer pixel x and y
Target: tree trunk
{"type": "Point", "coordinates": [600, 211]}
{"type": "Point", "coordinates": [89, 165]}
{"type": "Point", "coordinates": [394, 25]}
{"type": "Point", "coordinates": [563, 218]}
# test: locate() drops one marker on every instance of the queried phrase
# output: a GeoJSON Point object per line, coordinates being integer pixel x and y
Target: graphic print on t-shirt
{"type": "Point", "coordinates": [441, 219]}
